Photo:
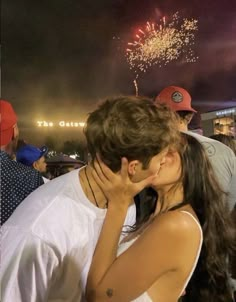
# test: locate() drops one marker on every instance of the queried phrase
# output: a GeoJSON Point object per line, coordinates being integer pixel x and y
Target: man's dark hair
{"type": "Point", "coordinates": [131, 127]}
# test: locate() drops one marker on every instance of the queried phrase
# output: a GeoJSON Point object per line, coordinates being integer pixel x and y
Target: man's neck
{"type": "Point", "coordinates": [8, 149]}
{"type": "Point", "coordinates": [91, 189]}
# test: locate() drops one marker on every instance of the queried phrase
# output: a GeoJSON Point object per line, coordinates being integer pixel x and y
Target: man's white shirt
{"type": "Point", "coordinates": [48, 243]}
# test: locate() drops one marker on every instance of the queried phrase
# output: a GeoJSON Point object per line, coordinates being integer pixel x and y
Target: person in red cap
{"type": "Point", "coordinates": [221, 156]}
{"type": "Point", "coordinates": [8, 126]}
{"type": "Point", "coordinates": [179, 100]}
{"type": "Point", "coordinates": [17, 180]}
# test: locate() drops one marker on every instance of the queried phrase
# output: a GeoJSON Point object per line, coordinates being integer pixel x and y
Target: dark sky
{"type": "Point", "coordinates": [59, 57]}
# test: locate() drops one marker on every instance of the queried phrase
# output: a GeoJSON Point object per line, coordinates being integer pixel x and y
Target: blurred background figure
{"type": "Point", "coordinates": [221, 156]}
{"type": "Point", "coordinates": [228, 140]}
{"type": "Point", "coordinates": [60, 164]}
{"type": "Point", "coordinates": [34, 157]}
{"type": "Point", "coordinates": [17, 181]}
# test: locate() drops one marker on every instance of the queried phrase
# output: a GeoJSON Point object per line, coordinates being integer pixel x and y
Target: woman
{"type": "Point", "coordinates": [157, 260]}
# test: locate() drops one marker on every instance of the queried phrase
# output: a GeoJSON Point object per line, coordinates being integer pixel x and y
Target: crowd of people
{"type": "Point", "coordinates": [151, 216]}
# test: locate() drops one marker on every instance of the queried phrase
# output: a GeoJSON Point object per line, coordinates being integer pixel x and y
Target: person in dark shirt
{"type": "Point", "coordinates": [17, 181]}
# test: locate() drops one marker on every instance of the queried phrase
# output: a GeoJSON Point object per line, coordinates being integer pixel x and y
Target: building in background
{"type": "Point", "coordinates": [219, 121]}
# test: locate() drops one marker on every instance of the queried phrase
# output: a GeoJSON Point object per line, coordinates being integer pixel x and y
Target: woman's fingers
{"type": "Point", "coordinates": [145, 183]}
{"type": "Point", "coordinates": [99, 171]}
{"type": "Point", "coordinates": [98, 180]}
{"type": "Point", "coordinates": [104, 169]}
{"type": "Point", "coordinates": [124, 168]}
{"type": "Point", "coordinates": [116, 185]}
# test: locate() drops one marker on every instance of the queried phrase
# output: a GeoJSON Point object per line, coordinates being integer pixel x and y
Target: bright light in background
{"type": "Point", "coordinates": [161, 44]}
{"type": "Point", "coordinates": [62, 124]}
{"type": "Point", "coordinates": [44, 124]}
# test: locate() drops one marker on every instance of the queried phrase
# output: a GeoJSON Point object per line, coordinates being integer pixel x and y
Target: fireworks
{"type": "Point", "coordinates": [161, 44]}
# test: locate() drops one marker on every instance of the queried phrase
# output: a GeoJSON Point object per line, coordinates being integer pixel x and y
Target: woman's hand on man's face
{"type": "Point", "coordinates": [118, 187]}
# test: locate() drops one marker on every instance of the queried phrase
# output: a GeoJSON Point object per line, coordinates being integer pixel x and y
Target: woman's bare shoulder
{"type": "Point", "coordinates": [177, 224]}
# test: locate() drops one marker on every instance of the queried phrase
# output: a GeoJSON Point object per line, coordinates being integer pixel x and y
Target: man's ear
{"type": "Point", "coordinates": [15, 132]}
{"type": "Point", "coordinates": [189, 117]}
{"type": "Point", "coordinates": [133, 166]}
{"type": "Point", "coordinates": [35, 165]}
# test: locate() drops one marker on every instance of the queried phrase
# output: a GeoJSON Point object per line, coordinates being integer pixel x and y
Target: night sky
{"type": "Point", "coordinates": [59, 57]}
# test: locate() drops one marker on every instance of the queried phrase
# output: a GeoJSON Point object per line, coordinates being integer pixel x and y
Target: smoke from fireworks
{"type": "Point", "coordinates": [161, 44]}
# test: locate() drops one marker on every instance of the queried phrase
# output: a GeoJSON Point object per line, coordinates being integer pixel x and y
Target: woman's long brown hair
{"type": "Point", "coordinates": [210, 281]}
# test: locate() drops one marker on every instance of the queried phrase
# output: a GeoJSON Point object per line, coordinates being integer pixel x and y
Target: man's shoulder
{"type": "Point", "coordinates": [14, 166]}
{"type": "Point", "coordinates": [52, 199]}
{"type": "Point", "coordinates": [19, 177]}
{"type": "Point", "coordinates": [53, 219]}
{"type": "Point", "coordinates": [213, 147]}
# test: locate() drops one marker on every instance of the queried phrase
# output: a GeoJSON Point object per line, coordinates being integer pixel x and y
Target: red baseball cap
{"type": "Point", "coordinates": [177, 98]}
{"type": "Point", "coordinates": [8, 119]}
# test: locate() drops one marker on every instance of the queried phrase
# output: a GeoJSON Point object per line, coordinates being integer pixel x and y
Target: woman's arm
{"type": "Point", "coordinates": [126, 277]}
{"type": "Point", "coordinates": [106, 249]}
{"type": "Point", "coordinates": [162, 248]}
{"type": "Point", "coordinates": [119, 190]}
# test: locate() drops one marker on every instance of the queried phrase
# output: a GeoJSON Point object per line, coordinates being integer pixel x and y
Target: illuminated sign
{"type": "Point", "coordinates": [225, 112]}
{"type": "Point", "coordinates": [45, 124]}
{"type": "Point", "coordinates": [62, 124]}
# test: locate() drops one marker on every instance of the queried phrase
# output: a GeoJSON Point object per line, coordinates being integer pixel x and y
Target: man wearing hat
{"type": "Point", "coordinates": [222, 157]}
{"type": "Point", "coordinates": [34, 157]}
{"type": "Point", "coordinates": [17, 181]}
{"type": "Point", "coordinates": [179, 100]}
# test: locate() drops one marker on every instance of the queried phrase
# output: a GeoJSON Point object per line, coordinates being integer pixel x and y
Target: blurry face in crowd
{"type": "Point", "coordinates": [40, 165]}
{"type": "Point", "coordinates": [138, 173]}
{"type": "Point", "coordinates": [15, 138]}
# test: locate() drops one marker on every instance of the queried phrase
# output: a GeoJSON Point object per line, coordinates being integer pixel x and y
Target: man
{"type": "Point", "coordinates": [222, 158]}
{"type": "Point", "coordinates": [17, 180]}
{"type": "Point", "coordinates": [33, 157]}
{"type": "Point", "coordinates": [46, 256]}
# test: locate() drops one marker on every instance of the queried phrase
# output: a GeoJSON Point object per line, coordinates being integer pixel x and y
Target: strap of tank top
{"type": "Point", "coordinates": [198, 252]}
{"type": "Point", "coordinates": [191, 215]}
